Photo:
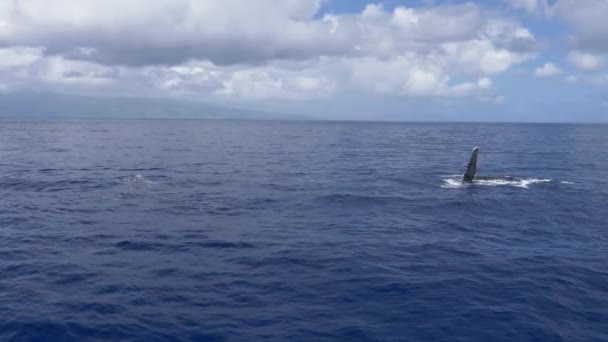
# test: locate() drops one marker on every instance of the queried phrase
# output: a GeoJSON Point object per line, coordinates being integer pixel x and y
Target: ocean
{"type": "Point", "coordinates": [185, 230]}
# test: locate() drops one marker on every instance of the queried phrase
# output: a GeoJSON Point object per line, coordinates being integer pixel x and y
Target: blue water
{"type": "Point", "coordinates": [301, 231]}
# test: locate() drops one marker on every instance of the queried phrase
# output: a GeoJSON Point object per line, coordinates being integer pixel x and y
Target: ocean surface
{"type": "Point", "coordinates": [162, 230]}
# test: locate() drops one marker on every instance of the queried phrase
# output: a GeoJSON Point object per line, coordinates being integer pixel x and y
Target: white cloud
{"type": "Point", "coordinates": [405, 18]}
{"type": "Point", "coordinates": [59, 70]}
{"type": "Point", "coordinates": [140, 32]}
{"type": "Point", "coordinates": [18, 56]}
{"type": "Point", "coordinates": [484, 83]}
{"type": "Point", "coordinates": [206, 48]}
{"type": "Point", "coordinates": [482, 56]}
{"type": "Point", "coordinates": [264, 84]}
{"type": "Point", "coordinates": [588, 19]}
{"type": "Point", "coordinates": [548, 69]}
{"type": "Point", "coordinates": [372, 11]}
{"type": "Point", "coordinates": [585, 61]}
{"type": "Point", "coordinates": [571, 79]}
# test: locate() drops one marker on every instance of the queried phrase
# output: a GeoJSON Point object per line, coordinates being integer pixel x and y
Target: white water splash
{"type": "Point", "coordinates": [455, 182]}
{"type": "Point", "coordinates": [144, 181]}
{"type": "Point", "coordinates": [137, 179]}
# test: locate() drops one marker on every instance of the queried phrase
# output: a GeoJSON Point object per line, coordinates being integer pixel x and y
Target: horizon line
{"type": "Point", "coordinates": [312, 119]}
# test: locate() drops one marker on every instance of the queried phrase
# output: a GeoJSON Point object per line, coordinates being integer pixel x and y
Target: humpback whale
{"type": "Point", "coordinates": [471, 174]}
{"type": "Point", "coordinates": [471, 177]}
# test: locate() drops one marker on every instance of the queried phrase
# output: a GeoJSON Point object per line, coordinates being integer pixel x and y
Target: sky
{"type": "Point", "coordinates": [500, 60]}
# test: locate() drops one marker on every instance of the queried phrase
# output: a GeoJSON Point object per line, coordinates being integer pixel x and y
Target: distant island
{"type": "Point", "coordinates": [55, 105]}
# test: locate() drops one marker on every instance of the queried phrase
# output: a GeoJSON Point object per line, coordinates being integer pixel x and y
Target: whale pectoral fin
{"type": "Point", "coordinates": [471, 166]}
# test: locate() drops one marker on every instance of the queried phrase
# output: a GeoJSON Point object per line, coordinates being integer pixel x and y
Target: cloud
{"type": "Point", "coordinates": [18, 56]}
{"type": "Point", "coordinates": [409, 76]}
{"type": "Point", "coordinates": [588, 20]}
{"type": "Point", "coordinates": [548, 69]}
{"type": "Point", "coordinates": [169, 32]}
{"type": "Point", "coordinates": [585, 61]}
{"type": "Point", "coordinates": [484, 83]}
{"type": "Point", "coordinates": [139, 32]}
{"type": "Point", "coordinates": [207, 49]}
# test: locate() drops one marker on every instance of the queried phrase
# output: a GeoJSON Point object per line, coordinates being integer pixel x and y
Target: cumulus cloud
{"type": "Point", "coordinates": [224, 49]}
{"type": "Point", "coordinates": [588, 19]}
{"type": "Point", "coordinates": [548, 69]}
{"type": "Point", "coordinates": [484, 83]}
{"type": "Point", "coordinates": [140, 32]}
{"type": "Point", "coordinates": [18, 56]}
{"type": "Point", "coordinates": [585, 61]}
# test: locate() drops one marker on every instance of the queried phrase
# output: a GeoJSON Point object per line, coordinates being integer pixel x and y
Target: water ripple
{"type": "Point", "coordinates": [215, 230]}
